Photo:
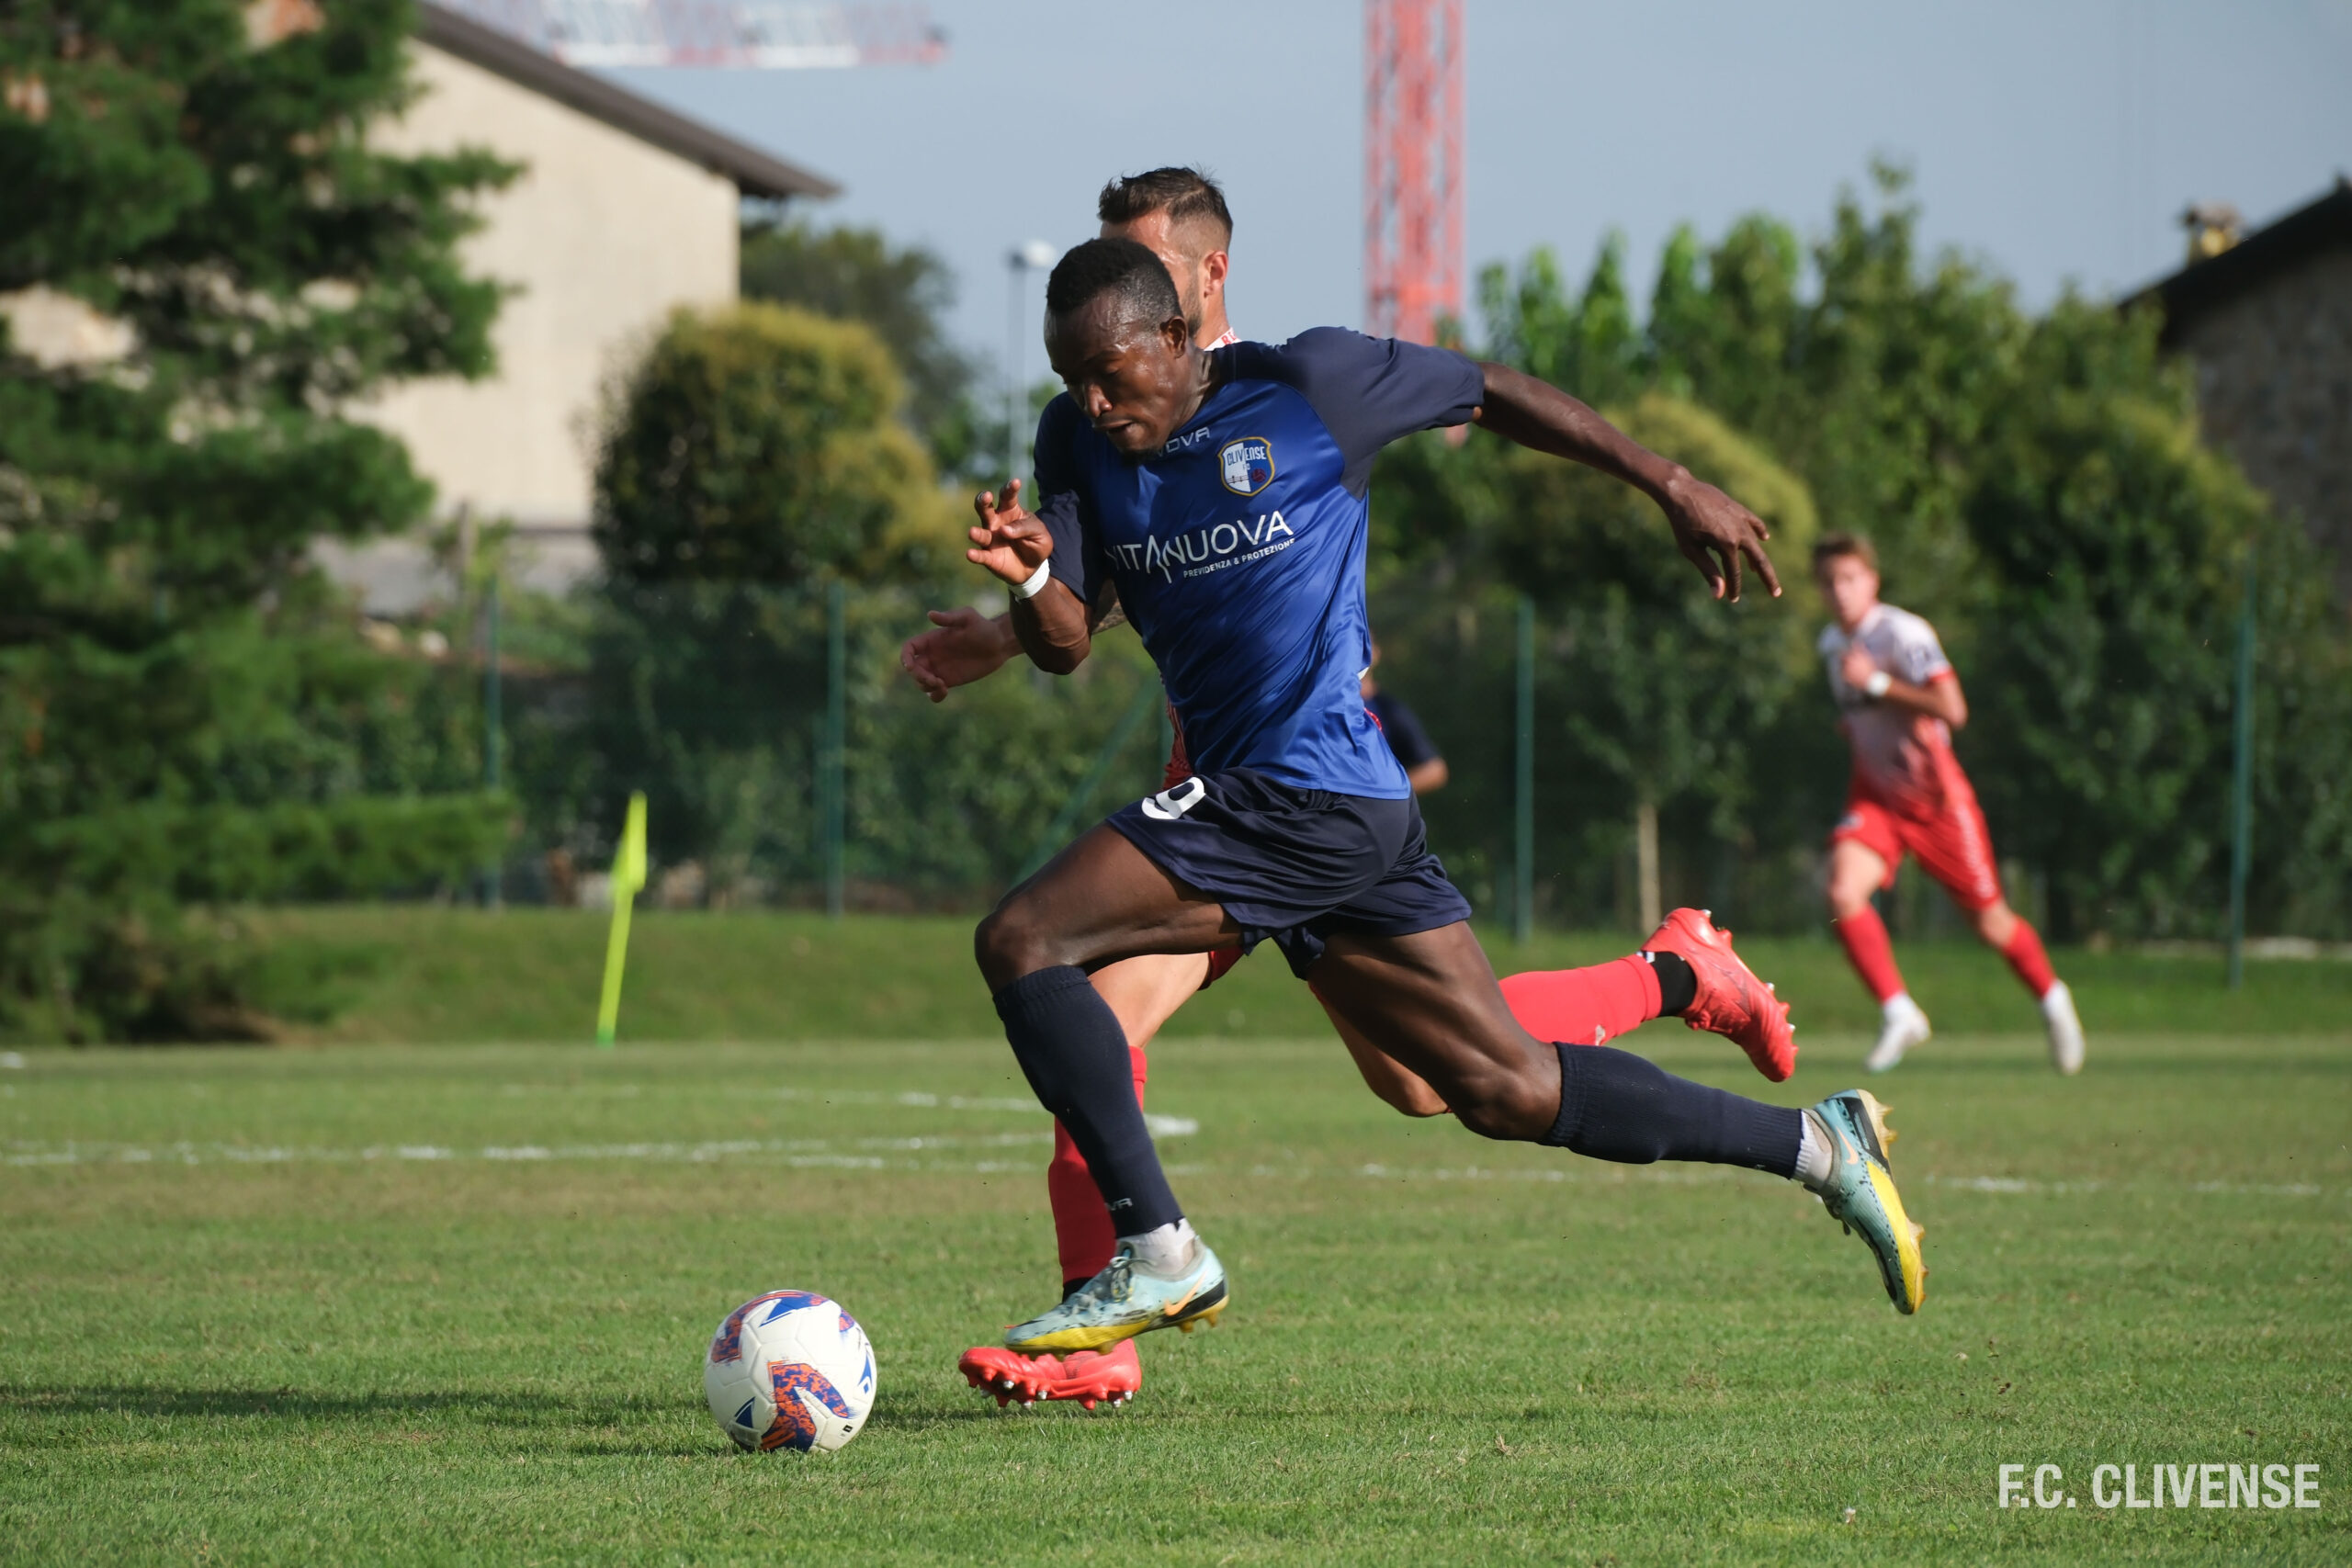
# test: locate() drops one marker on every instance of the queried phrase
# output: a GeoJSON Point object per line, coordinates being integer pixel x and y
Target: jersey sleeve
{"type": "Point", "coordinates": [1062, 506]}
{"type": "Point", "coordinates": [1918, 656]}
{"type": "Point", "coordinates": [1368, 392]}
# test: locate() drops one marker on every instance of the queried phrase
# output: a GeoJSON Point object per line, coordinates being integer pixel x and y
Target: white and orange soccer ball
{"type": "Point", "coordinates": [789, 1370]}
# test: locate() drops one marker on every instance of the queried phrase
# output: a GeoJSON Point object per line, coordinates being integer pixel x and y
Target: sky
{"type": "Point", "coordinates": [2054, 141]}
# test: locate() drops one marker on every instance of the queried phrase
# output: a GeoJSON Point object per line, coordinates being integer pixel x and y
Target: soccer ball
{"type": "Point", "coordinates": [789, 1370]}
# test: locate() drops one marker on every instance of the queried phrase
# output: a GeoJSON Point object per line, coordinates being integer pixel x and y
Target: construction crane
{"type": "Point", "coordinates": [766, 35]}
{"type": "Point", "coordinates": [1412, 142]}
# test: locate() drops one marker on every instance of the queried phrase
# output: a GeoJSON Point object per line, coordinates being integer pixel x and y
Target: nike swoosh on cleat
{"type": "Point", "coordinates": [1173, 1308]}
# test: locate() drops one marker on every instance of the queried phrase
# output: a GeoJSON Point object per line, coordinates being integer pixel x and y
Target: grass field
{"type": "Point", "coordinates": [395, 1303]}
{"type": "Point", "coordinates": [417, 975]}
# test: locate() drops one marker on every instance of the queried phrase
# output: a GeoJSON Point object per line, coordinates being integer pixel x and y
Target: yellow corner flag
{"type": "Point", "coordinates": [628, 876]}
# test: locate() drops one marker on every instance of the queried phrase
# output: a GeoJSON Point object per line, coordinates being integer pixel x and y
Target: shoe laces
{"type": "Point", "coordinates": [1845, 1154]}
{"type": "Point", "coordinates": [1115, 1283]}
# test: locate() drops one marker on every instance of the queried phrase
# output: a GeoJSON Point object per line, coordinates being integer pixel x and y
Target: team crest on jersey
{"type": "Point", "coordinates": [1248, 464]}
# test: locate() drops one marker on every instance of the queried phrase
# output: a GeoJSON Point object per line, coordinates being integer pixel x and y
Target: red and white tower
{"type": "Point", "coordinates": [1412, 144]}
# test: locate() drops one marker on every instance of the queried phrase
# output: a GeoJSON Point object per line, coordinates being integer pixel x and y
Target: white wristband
{"type": "Point", "coordinates": [1878, 682]}
{"type": "Point", "coordinates": [1036, 583]}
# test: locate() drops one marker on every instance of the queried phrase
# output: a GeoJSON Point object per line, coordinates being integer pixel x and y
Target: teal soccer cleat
{"type": "Point", "coordinates": [1125, 1300]}
{"type": "Point", "coordinates": [1860, 1194]}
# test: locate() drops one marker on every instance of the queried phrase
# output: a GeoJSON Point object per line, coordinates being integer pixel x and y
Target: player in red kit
{"type": "Point", "coordinates": [1900, 701]}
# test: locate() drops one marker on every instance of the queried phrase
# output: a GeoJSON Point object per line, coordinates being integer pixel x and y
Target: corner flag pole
{"type": "Point", "coordinates": [628, 876]}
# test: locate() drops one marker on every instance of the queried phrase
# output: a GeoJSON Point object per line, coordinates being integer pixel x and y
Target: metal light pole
{"type": "Point", "coordinates": [1035, 256]}
{"type": "Point", "coordinates": [493, 738]}
{"type": "Point", "coordinates": [2242, 784]}
{"type": "Point", "coordinates": [494, 747]}
{"type": "Point", "coordinates": [830, 762]}
{"type": "Point", "coordinates": [1523, 914]}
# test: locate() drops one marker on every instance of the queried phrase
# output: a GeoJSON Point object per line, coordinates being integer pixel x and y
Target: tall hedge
{"type": "Point", "coordinates": [186, 712]}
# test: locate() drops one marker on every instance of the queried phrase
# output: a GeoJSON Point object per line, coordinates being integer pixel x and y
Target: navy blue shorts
{"type": "Point", "coordinates": [1297, 865]}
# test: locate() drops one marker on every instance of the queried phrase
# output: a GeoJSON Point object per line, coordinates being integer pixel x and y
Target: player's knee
{"type": "Point", "coordinates": [1412, 1099]}
{"type": "Point", "coordinates": [1008, 944]}
{"type": "Point", "coordinates": [1509, 1106]}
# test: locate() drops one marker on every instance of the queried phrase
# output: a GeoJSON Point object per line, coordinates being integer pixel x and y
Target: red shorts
{"type": "Point", "coordinates": [1948, 838]}
{"type": "Point", "coordinates": [1179, 769]}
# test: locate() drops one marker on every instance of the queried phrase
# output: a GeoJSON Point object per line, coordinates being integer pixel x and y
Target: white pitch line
{"type": "Point", "coordinates": [2018, 1184]}
{"type": "Point", "coordinates": [858, 1154]}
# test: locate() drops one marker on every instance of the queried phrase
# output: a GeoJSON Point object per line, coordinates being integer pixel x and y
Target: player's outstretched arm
{"type": "Point", "coordinates": [963, 646]}
{"type": "Point", "coordinates": [1049, 621]}
{"type": "Point", "coordinates": [1713, 531]}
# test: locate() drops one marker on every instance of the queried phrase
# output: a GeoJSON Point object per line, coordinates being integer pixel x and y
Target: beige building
{"type": "Point", "coordinates": [2266, 320]}
{"type": "Point", "coordinates": [624, 209]}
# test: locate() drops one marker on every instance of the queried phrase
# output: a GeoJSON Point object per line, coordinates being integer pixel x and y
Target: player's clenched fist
{"type": "Point", "coordinates": [1008, 542]}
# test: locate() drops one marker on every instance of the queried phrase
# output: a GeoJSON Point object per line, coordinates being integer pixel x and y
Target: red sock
{"type": "Point", "coordinates": [1865, 939]}
{"type": "Point", "coordinates": [1081, 1224]}
{"type": "Point", "coordinates": [1584, 1007]}
{"type": "Point", "coordinates": [2032, 966]}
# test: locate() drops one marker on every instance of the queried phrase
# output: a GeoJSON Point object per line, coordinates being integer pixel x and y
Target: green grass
{"type": "Point", "coordinates": [230, 1333]}
{"type": "Point", "coordinates": [419, 974]}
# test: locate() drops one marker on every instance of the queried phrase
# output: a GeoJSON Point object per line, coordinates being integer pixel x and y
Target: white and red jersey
{"type": "Point", "coordinates": [1901, 757]}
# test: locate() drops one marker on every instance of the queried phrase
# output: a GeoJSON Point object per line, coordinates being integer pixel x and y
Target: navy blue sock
{"type": "Point", "coordinates": [1617, 1106]}
{"type": "Point", "coordinates": [1070, 1046]}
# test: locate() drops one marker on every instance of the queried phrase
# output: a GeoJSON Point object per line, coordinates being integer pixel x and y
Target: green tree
{"type": "Point", "coordinates": [2035, 486]}
{"type": "Point", "coordinates": [186, 713]}
{"type": "Point", "coordinates": [757, 445]}
{"type": "Point", "coordinates": [1651, 695]}
{"type": "Point", "coordinates": [904, 295]}
{"type": "Point", "coordinates": [2114, 546]}
{"type": "Point", "coordinates": [752, 455]}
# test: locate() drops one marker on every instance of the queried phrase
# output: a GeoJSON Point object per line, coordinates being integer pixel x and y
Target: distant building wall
{"type": "Point", "coordinates": [2274, 386]}
{"type": "Point", "coordinates": [604, 234]}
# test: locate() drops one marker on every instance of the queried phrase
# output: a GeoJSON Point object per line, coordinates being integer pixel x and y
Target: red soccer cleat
{"type": "Point", "coordinates": [1091, 1377]}
{"type": "Point", "coordinates": [1731, 999]}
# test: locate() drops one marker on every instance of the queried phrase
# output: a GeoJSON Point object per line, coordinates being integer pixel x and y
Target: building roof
{"type": "Point", "coordinates": [754, 172]}
{"type": "Point", "coordinates": [2322, 225]}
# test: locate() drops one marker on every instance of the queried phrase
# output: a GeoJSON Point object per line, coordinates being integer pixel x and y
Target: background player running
{"type": "Point", "coordinates": [1424, 765]}
{"type": "Point", "coordinates": [1687, 970]}
{"type": "Point", "coordinates": [1899, 701]}
{"type": "Point", "coordinates": [1222, 496]}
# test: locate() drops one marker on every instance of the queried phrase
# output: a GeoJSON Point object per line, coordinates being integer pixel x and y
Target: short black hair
{"type": "Point", "coordinates": [1182, 194]}
{"type": "Point", "coordinates": [1113, 266]}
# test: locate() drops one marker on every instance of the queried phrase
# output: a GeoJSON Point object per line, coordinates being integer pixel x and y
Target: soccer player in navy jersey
{"type": "Point", "coordinates": [1687, 969]}
{"type": "Point", "coordinates": [1221, 495]}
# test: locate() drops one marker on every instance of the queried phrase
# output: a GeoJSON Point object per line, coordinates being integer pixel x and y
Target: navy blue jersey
{"type": "Point", "coordinates": [1238, 550]}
